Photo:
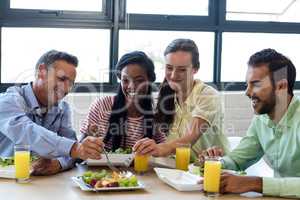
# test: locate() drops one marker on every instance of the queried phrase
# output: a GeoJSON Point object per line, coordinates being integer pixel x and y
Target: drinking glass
{"type": "Point", "coordinates": [183, 154]}
{"type": "Point", "coordinates": [141, 163]}
{"type": "Point", "coordinates": [212, 174]}
{"type": "Point", "coordinates": [22, 163]}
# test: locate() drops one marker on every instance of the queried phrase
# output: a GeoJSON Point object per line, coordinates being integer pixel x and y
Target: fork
{"type": "Point", "coordinates": [124, 173]}
{"type": "Point", "coordinates": [109, 164]}
{"type": "Point", "coordinates": [93, 130]}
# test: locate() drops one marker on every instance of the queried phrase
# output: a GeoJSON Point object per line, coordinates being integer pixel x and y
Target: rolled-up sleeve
{"type": "Point", "coordinates": [20, 129]}
{"type": "Point", "coordinates": [66, 162]}
{"type": "Point", "coordinates": [283, 187]}
{"type": "Point", "coordinates": [208, 107]}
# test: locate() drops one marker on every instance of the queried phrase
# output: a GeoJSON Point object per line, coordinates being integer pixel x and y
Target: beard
{"type": "Point", "coordinates": [266, 106]}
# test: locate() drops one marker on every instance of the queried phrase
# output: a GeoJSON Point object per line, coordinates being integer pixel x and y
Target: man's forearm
{"type": "Point", "coordinates": [168, 148]}
{"type": "Point", "coordinates": [165, 149]}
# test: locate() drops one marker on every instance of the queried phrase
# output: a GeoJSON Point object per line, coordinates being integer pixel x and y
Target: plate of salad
{"type": "Point", "coordinates": [105, 180]}
{"type": "Point", "coordinates": [7, 167]}
{"type": "Point", "coordinates": [120, 157]}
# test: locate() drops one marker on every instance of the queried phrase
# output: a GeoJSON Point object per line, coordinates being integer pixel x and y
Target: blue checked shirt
{"type": "Point", "coordinates": [49, 135]}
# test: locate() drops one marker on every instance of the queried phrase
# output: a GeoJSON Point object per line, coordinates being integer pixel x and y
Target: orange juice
{"type": "Point", "coordinates": [183, 154]}
{"type": "Point", "coordinates": [141, 163]}
{"type": "Point", "coordinates": [22, 164]}
{"type": "Point", "coordinates": [212, 173]}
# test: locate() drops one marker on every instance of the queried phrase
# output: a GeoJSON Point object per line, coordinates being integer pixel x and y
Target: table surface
{"type": "Point", "coordinates": [60, 186]}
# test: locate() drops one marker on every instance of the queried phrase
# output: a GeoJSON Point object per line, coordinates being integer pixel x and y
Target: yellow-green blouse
{"type": "Point", "coordinates": [203, 102]}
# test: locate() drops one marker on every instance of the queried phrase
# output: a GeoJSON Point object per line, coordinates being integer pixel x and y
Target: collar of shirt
{"type": "Point", "coordinates": [33, 104]}
{"type": "Point", "coordinates": [30, 97]}
{"type": "Point", "coordinates": [286, 120]}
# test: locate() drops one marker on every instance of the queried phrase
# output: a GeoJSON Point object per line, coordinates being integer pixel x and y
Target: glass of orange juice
{"type": "Point", "coordinates": [183, 154]}
{"type": "Point", "coordinates": [22, 163]}
{"type": "Point", "coordinates": [212, 174]}
{"type": "Point", "coordinates": [141, 163]}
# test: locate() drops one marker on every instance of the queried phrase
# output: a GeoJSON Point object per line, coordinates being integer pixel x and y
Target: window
{"type": "Point", "coordinates": [71, 5]}
{"type": "Point", "coordinates": [263, 10]}
{"type": "Point", "coordinates": [153, 43]}
{"type": "Point", "coordinates": [237, 50]}
{"type": "Point", "coordinates": [22, 47]}
{"type": "Point", "coordinates": [99, 32]}
{"type": "Point", "coordinates": [168, 7]}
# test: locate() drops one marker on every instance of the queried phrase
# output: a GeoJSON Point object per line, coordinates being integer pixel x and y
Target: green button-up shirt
{"type": "Point", "coordinates": [280, 144]}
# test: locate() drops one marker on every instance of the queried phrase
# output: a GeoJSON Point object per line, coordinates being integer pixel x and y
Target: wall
{"type": "Point", "coordinates": [237, 110]}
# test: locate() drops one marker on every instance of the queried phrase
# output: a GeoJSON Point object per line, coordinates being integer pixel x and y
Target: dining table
{"type": "Point", "coordinates": [61, 186]}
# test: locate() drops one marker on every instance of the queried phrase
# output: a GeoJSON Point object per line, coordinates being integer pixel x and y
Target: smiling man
{"type": "Point", "coordinates": [34, 114]}
{"type": "Point", "coordinates": [273, 133]}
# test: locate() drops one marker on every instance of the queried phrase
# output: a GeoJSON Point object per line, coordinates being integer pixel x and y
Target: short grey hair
{"type": "Point", "coordinates": [51, 56]}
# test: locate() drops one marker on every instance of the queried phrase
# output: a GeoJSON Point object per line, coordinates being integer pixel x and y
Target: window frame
{"type": "Point", "coordinates": [54, 14]}
{"type": "Point", "coordinates": [114, 17]}
{"type": "Point", "coordinates": [252, 27]}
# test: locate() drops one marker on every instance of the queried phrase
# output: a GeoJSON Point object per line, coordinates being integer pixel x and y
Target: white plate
{"type": "Point", "coordinates": [83, 186]}
{"type": "Point", "coordinates": [115, 159]}
{"type": "Point", "coordinates": [7, 171]}
{"type": "Point", "coordinates": [178, 179]}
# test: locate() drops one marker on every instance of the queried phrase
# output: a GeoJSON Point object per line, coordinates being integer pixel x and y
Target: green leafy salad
{"type": "Point", "coordinates": [4, 162]}
{"type": "Point", "coordinates": [104, 178]}
{"type": "Point", "coordinates": [122, 151]}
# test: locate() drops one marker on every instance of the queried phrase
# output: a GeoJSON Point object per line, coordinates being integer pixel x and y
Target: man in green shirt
{"type": "Point", "coordinates": [273, 133]}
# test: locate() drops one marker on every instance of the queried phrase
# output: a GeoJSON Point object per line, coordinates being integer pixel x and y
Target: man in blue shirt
{"type": "Point", "coordinates": [33, 114]}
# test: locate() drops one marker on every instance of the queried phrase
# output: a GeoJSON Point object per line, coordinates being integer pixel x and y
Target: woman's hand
{"type": "Point", "coordinates": [146, 146]}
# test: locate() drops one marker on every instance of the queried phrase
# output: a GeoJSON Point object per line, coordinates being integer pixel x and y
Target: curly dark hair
{"type": "Point", "coordinates": [278, 63]}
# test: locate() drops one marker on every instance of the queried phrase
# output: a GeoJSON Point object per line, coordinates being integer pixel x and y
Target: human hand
{"type": "Point", "coordinates": [146, 146]}
{"type": "Point", "coordinates": [90, 147]}
{"type": "Point", "coordinates": [44, 166]}
{"type": "Point", "coordinates": [210, 152]}
{"type": "Point", "coordinates": [230, 183]}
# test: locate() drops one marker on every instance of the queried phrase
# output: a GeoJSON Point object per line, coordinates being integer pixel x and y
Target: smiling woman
{"type": "Point", "coordinates": [126, 117]}
{"type": "Point", "coordinates": [188, 111]}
